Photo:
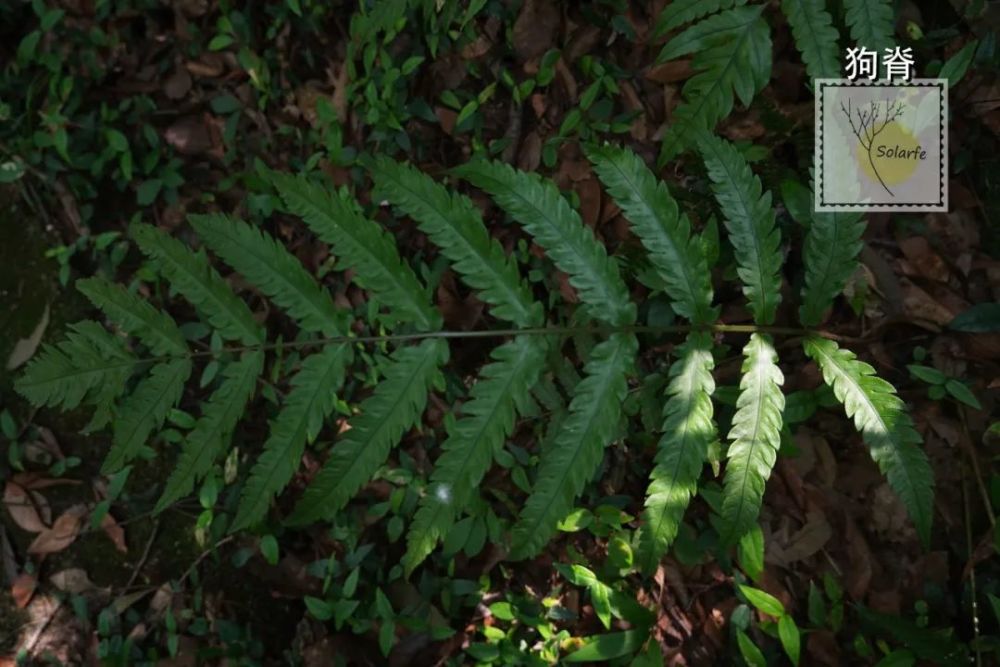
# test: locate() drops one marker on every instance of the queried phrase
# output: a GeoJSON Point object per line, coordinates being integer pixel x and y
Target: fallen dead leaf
{"type": "Point", "coordinates": [535, 29]}
{"type": "Point", "coordinates": [812, 537]}
{"type": "Point", "coordinates": [178, 84]}
{"type": "Point", "coordinates": [189, 135]}
{"type": "Point", "coordinates": [114, 532]}
{"type": "Point", "coordinates": [22, 589]}
{"type": "Point", "coordinates": [21, 507]}
{"type": "Point", "coordinates": [72, 580]}
{"type": "Point", "coordinates": [62, 534]}
{"type": "Point", "coordinates": [922, 257]}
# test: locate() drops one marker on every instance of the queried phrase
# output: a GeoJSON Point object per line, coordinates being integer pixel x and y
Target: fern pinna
{"type": "Point", "coordinates": [135, 369]}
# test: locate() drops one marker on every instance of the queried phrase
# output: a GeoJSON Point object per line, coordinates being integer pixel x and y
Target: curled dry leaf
{"type": "Point", "coordinates": [62, 534]}
{"type": "Point", "coordinates": [22, 589]}
{"type": "Point", "coordinates": [21, 507]}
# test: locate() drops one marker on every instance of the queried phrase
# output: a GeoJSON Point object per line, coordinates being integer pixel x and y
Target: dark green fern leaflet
{"type": "Point", "coordinates": [393, 409]}
{"type": "Point", "coordinates": [755, 437]}
{"type": "Point", "coordinates": [145, 410]}
{"type": "Point", "coordinates": [830, 255]}
{"type": "Point", "coordinates": [271, 268]}
{"type": "Point", "coordinates": [362, 246]}
{"type": "Point", "coordinates": [135, 316]}
{"type": "Point", "coordinates": [308, 404]}
{"type": "Point", "coordinates": [574, 453]}
{"type": "Point", "coordinates": [676, 256]}
{"type": "Point", "coordinates": [688, 431]}
{"type": "Point", "coordinates": [89, 365]}
{"type": "Point", "coordinates": [679, 12]}
{"type": "Point", "coordinates": [191, 275]}
{"type": "Point", "coordinates": [871, 22]}
{"type": "Point", "coordinates": [487, 420]}
{"type": "Point", "coordinates": [210, 435]}
{"type": "Point", "coordinates": [815, 36]}
{"type": "Point", "coordinates": [538, 206]}
{"type": "Point", "coordinates": [732, 55]}
{"type": "Point", "coordinates": [453, 223]}
{"type": "Point", "coordinates": [881, 417]}
{"type": "Point", "coordinates": [749, 219]}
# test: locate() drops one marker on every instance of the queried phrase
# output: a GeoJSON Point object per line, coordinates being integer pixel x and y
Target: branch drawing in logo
{"type": "Point", "coordinates": [868, 129]}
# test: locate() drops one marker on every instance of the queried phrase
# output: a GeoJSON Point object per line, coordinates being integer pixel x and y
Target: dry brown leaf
{"type": "Point", "coordinates": [114, 532]}
{"type": "Point", "coordinates": [189, 135]}
{"type": "Point", "coordinates": [21, 508]}
{"type": "Point", "coordinates": [62, 534]}
{"type": "Point", "coordinates": [22, 589]}
{"type": "Point", "coordinates": [922, 257]}
{"type": "Point", "coordinates": [858, 574]}
{"type": "Point", "coordinates": [178, 84]}
{"type": "Point", "coordinates": [812, 537]}
{"type": "Point", "coordinates": [535, 29]}
{"type": "Point", "coordinates": [72, 580]}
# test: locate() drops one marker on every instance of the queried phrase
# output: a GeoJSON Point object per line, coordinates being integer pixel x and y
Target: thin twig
{"type": "Point", "coordinates": [145, 554]}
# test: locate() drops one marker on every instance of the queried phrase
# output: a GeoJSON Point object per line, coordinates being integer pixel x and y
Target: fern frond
{"type": "Point", "coordinates": [394, 407]}
{"type": "Point", "coordinates": [145, 410]}
{"type": "Point", "coordinates": [880, 415]}
{"type": "Point", "coordinates": [361, 245]}
{"type": "Point", "coordinates": [688, 430]}
{"type": "Point", "coordinates": [574, 453]}
{"type": "Point", "coordinates": [454, 224]}
{"type": "Point", "coordinates": [540, 208]}
{"type": "Point", "coordinates": [830, 256]}
{"type": "Point", "coordinates": [755, 437]}
{"type": "Point", "coordinates": [191, 274]}
{"type": "Point", "coordinates": [732, 55]}
{"type": "Point", "coordinates": [646, 202]}
{"type": "Point", "coordinates": [871, 23]}
{"type": "Point", "coordinates": [679, 12]}
{"type": "Point", "coordinates": [487, 420]}
{"type": "Point", "coordinates": [135, 316]}
{"type": "Point", "coordinates": [312, 397]}
{"type": "Point", "coordinates": [207, 440]}
{"type": "Point", "coordinates": [749, 218]}
{"type": "Point", "coordinates": [265, 262]}
{"type": "Point", "coordinates": [815, 36]}
{"type": "Point", "coordinates": [90, 362]}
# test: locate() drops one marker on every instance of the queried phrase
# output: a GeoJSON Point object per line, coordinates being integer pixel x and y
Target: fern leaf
{"type": "Point", "coordinates": [538, 205]}
{"type": "Point", "coordinates": [273, 270]}
{"type": "Point", "coordinates": [308, 404]}
{"type": "Point", "coordinates": [755, 437]}
{"type": "Point", "coordinates": [574, 454]}
{"type": "Point", "coordinates": [871, 23]}
{"type": "Point", "coordinates": [89, 361]}
{"type": "Point", "coordinates": [455, 225]}
{"type": "Point", "coordinates": [395, 406]}
{"type": "Point", "coordinates": [676, 256]}
{"type": "Point", "coordinates": [191, 274]}
{"type": "Point", "coordinates": [488, 419]}
{"type": "Point", "coordinates": [135, 316]}
{"type": "Point", "coordinates": [688, 430]}
{"type": "Point", "coordinates": [830, 255]}
{"type": "Point", "coordinates": [679, 12]}
{"type": "Point", "coordinates": [145, 410]}
{"type": "Point", "coordinates": [815, 36]}
{"type": "Point", "coordinates": [362, 245]}
{"type": "Point", "coordinates": [749, 219]}
{"type": "Point", "coordinates": [880, 415]}
{"type": "Point", "coordinates": [207, 440]}
{"type": "Point", "coordinates": [732, 56]}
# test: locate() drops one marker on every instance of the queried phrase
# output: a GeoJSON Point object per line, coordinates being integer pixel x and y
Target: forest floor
{"type": "Point", "coordinates": [204, 93]}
